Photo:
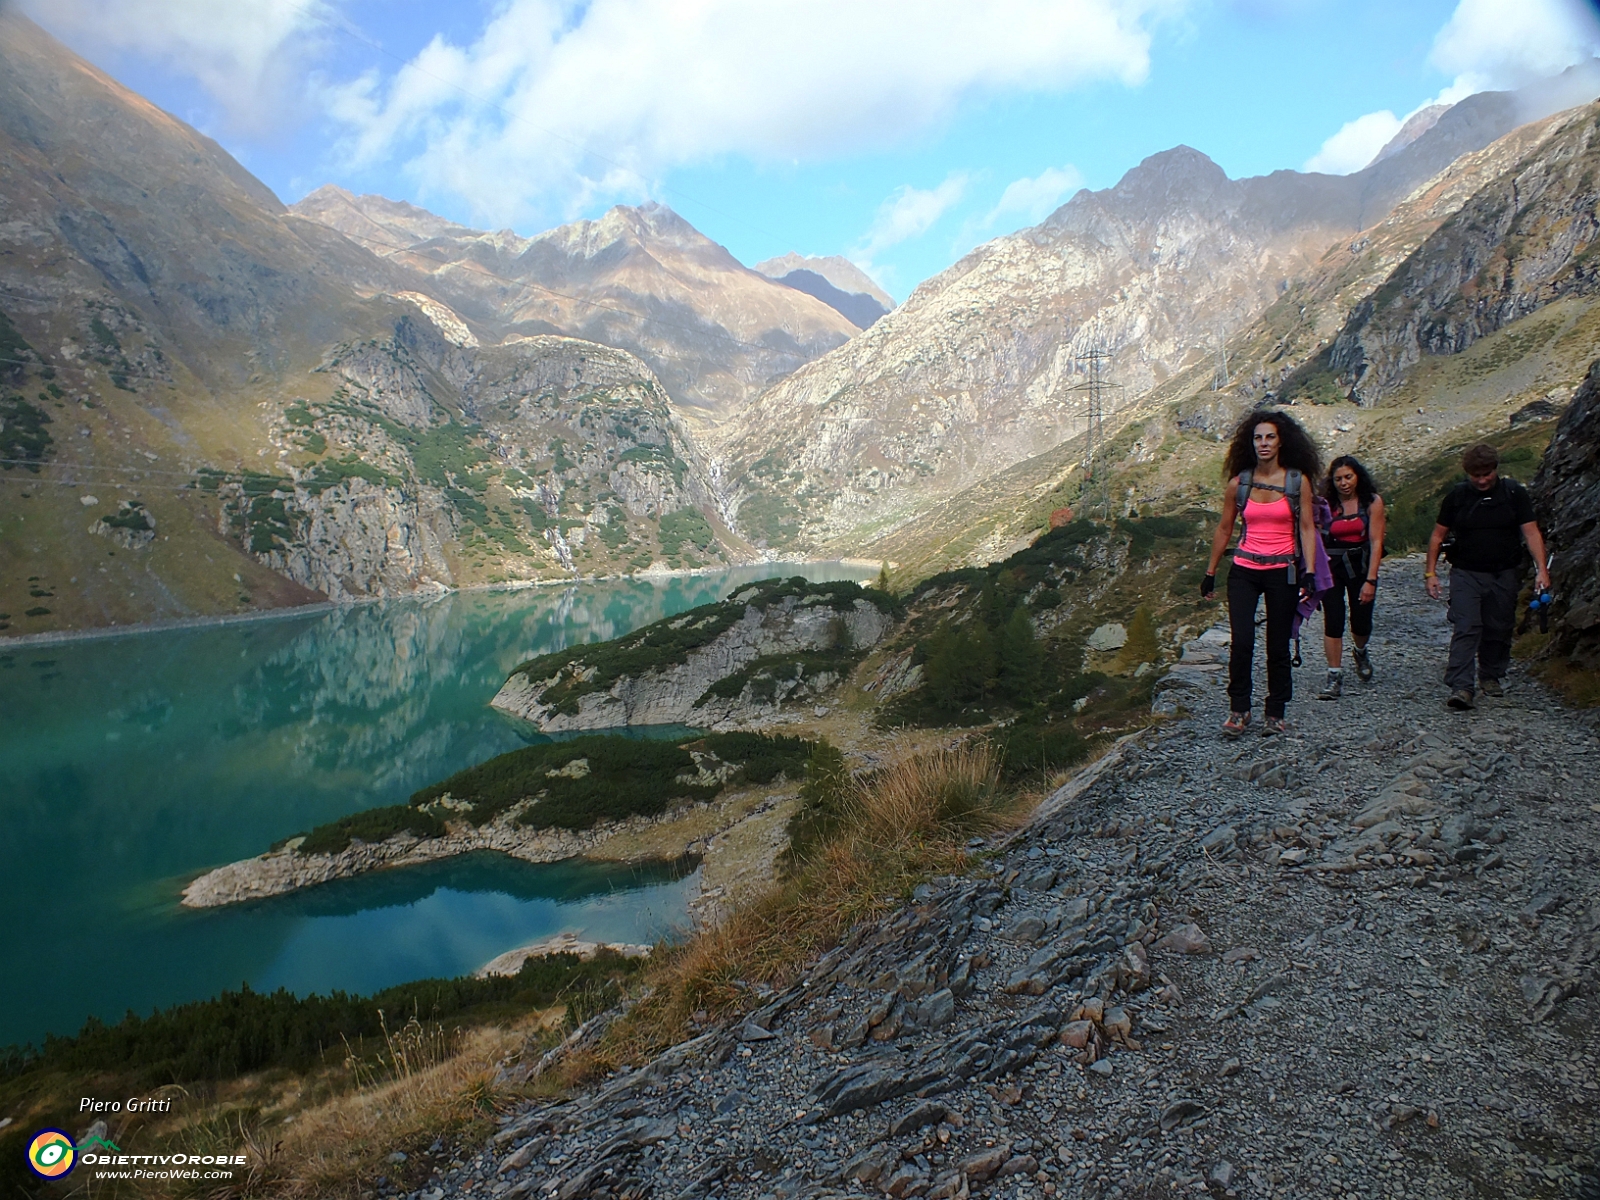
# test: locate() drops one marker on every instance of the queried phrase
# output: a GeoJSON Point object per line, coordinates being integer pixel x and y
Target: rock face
{"type": "Point", "coordinates": [1567, 498]}
{"type": "Point", "coordinates": [732, 663]}
{"type": "Point", "coordinates": [642, 279]}
{"type": "Point", "coordinates": [1519, 244]}
{"type": "Point", "coordinates": [1178, 979]}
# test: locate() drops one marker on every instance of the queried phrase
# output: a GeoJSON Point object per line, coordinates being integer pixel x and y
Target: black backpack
{"type": "Point", "coordinates": [1354, 558]}
{"type": "Point", "coordinates": [1291, 491]}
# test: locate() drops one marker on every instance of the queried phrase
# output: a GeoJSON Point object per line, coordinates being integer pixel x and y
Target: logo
{"type": "Point", "coordinates": [51, 1154]}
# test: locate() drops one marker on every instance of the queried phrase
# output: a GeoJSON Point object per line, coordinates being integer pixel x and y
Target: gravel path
{"type": "Point", "coordinates": [1354, 961]}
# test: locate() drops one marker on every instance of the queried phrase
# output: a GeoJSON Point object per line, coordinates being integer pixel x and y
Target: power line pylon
{"type": "Point", "coordinates": [1096, 361]}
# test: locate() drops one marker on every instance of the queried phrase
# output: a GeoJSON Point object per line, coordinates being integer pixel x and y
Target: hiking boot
{"type": "Point", "coordinates": [1235, 724]}
{"type": "Point", "coordinates": [1363, 663]}
{"type": "Point", "coordinates": [1491, 687]}
{"type": "Point", "coordinates": [1272, 726]}
{"type": "Point", "coordinates": [1335, 685]}
{"type": "Point", "coordinates": [1460, 700]}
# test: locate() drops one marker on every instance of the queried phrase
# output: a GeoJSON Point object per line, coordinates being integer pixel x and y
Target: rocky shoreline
{"type": "Point", "coordinates": [1358, 960]}
{"type": "Point", "coordinates": [568, 942]}
{"type": "Point", "coordinates": [286, 869]}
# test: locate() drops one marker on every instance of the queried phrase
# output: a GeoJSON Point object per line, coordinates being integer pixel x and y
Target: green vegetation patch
{"type": "Point", "coordinates": [239, 1032]}
{"type": "Point", "coordinates": [13, 347]}
{"type": "Point", "coordinates": [982, 661]}
{"type": "Point", "coordinates": [685, 525]}
{"type": "Point", "coordinates": [130, 515]}
{"type": "Point", "coordinates": [581, 670]}
{"type": "Point", "coordinates": [24, 440]}
{"type": "Point", "coordinates": [330, 474]}
{"type": "Point", "coordinates": [372, 826]}
{"type": "Point", "coordinates": [771, 517]}
{"type": "Point", "coordinates": [765, 674]}
{"type": "Point", "coordinates": [601, 777]}
{"type": "Point", "coordinates": [260, 515]}
{"type": "Point", "coordinates": [650, 455]}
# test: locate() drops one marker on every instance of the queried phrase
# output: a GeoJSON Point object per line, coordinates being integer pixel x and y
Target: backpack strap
{"type": "Point", "coordinates": [1291, 491]}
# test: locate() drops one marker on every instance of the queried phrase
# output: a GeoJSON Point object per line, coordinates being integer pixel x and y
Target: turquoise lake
{"type": "Point", "coordinates": [130, 764]}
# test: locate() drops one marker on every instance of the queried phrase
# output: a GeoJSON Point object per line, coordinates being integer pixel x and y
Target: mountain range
{"type": "Point", "coordinates": [213, 401]}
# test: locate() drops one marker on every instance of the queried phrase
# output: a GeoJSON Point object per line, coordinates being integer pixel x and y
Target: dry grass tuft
{"type": "Point", "coordinates": [903, 824]}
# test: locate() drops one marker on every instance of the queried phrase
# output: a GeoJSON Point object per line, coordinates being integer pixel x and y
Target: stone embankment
{"type": "Point", "coordinates": [1354, 961]}
{"type": "Point", "coordinates": [287, 869]}
{"type": "Point", "coordinates": [680, 693]}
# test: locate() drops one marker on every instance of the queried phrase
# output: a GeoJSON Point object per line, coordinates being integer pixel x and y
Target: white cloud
{"type": "Point", "coordinates": [1509, 43]}
{"type": "Point", "coordinates": [909, 213]}
{"type": "Point", "coordinates": [1486, 45]}
{"type": "Point", "coordinates": [1356, 144]}
{"type": "Point", "coordinates": [251, 56]}
{"type": "Point", "coordinates": [1032, 200]}
{"type": "Point", "coordinates": [615, 92]}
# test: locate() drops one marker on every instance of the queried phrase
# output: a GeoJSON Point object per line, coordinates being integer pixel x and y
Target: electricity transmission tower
{"type": "Point", "coordinates": [1096, 362]}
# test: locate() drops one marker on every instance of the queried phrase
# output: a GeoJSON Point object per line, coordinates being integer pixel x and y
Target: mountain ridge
{"type": "Point", "coordinates": [640, 278]}
{"type": "Point", "coordinates": [979, 369]}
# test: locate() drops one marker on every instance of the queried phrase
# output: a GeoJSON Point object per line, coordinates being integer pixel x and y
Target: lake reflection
{"type": "Point", "coordinates": [130, 764]}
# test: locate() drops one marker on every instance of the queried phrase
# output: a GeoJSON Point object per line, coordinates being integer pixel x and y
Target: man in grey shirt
{"type": "Point", "coordinates": [1491, 518]}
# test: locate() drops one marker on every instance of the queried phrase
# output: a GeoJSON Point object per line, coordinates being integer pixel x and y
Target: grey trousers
{"type": "Point", "coordinates": [1483, 609]}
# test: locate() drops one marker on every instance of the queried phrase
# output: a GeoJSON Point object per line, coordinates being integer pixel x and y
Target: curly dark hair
{"type": "Point", "coordinates": [1366, 489]}
{"type": "Point", "coordinates": [1296, 450]}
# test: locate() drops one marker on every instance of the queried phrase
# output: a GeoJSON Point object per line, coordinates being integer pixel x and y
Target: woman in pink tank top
{"type": "Point", "coordinates": [1272, 465]}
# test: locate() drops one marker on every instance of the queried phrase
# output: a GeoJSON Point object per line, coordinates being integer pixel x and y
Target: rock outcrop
{"type": "Point", "coordinates": [731, 330]}
{"type": "Point", "coordinates": [731, 663]}
{"type": "Point", "coordinates": [1567, 498]}
{"type": "Point", "coordinates": [1519, 244]}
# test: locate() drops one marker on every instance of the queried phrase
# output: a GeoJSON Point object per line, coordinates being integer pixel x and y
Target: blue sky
{"type": "Point", "coordinates": [899, 134]}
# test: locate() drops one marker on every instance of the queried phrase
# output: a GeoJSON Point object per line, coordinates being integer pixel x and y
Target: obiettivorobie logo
{"type": "Point", "coordinates": [52, 1154]}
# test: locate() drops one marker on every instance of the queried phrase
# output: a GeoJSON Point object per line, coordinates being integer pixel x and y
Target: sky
{"type": "Point", "coordinates": [898, 133]}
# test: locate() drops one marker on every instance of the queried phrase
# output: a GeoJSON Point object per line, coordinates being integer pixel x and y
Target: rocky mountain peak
{"type": "Point", "coordinates": [1181, 178]}
{"type": "Point", "coordinates": [1417, 124]}
{"type": "Point", "coordinates": [836, 269]}
{"type": "Point", "coordinates": [381, 224]}
{"type": "Point", "coordinates": [645, 225]}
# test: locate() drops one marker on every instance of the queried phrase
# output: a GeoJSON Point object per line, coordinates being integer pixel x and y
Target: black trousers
{"type": "Point", "coordinates": [1246, 587]}
{"type": "Point", "coordinates": [1333, 604]}
{"type": "Point", "coordinates": [1483, 609]}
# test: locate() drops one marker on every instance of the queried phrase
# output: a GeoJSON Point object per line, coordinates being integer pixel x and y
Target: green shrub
{"type": "Point", "coordinates": [825, 800]}
{"type": "Point", "coordinates": [765, 673]}
{"type": "Point", "coordinates": [372, 826]}
{"type": "Point", "coordinates": [685, 525]}
{"type": "Point", "coordinates": [23, 434]}
{"type": "Point", "coordinates": [331, 473]}
{"type": "Point", "coordinates": [763, 756]}
{"type": "Point", "coordinates": [617, 778]}
{"type": "Point", "coordinates": [243, 1031]}
{"type": "Point", "coordinates": [1036, 745]}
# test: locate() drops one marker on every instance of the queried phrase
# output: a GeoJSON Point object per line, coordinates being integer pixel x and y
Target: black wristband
{"type": "Point", "coordinates": [1373, 582]}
